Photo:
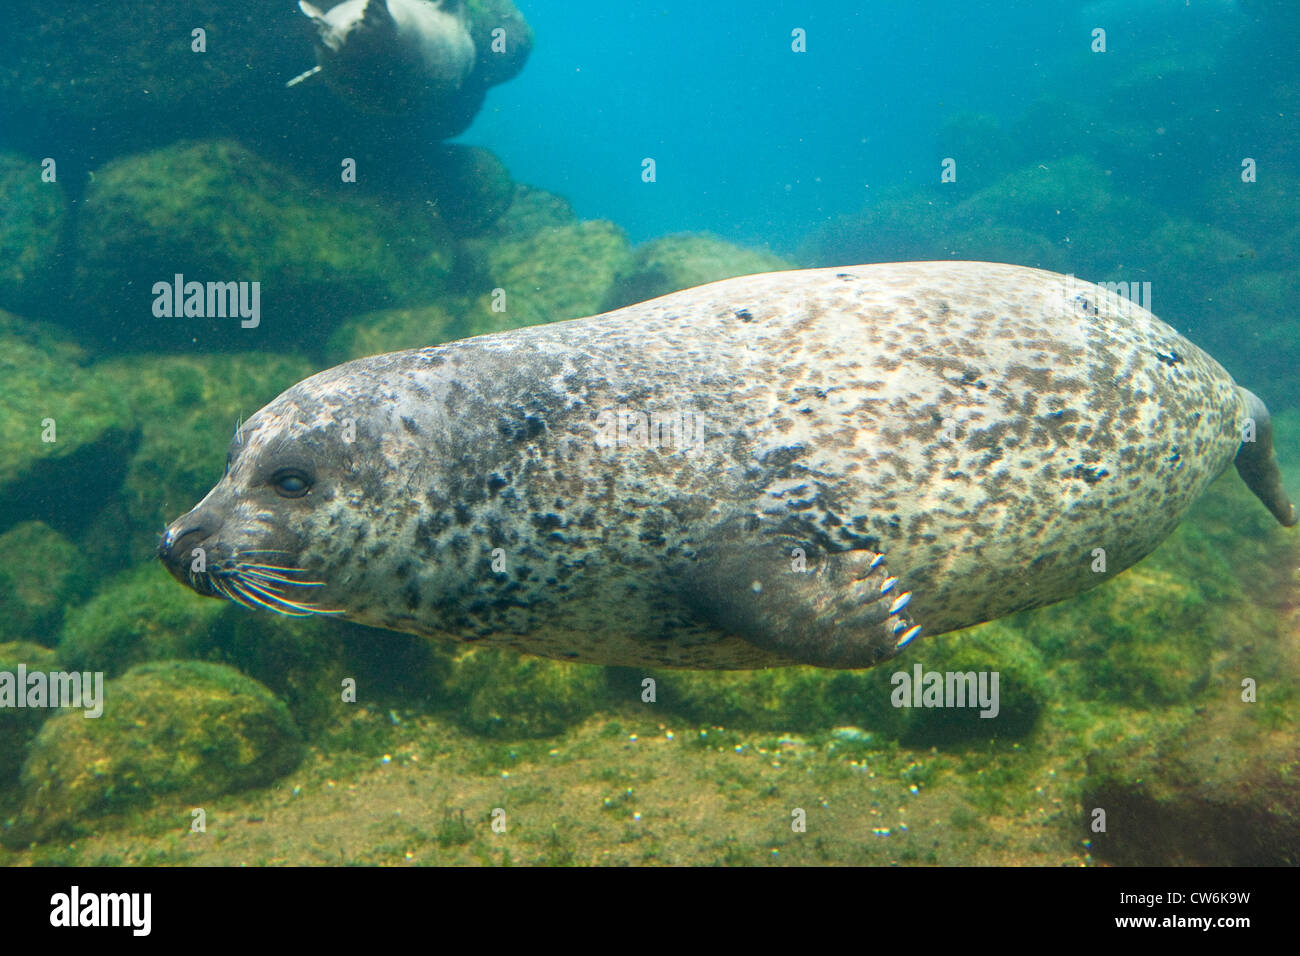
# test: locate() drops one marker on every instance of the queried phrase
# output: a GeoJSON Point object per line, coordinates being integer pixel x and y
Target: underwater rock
{"type": "Point", "coordinates": [86, 72]}
{"type": "Point", "coordinates": [213, 212]}
{"type": "Point", "coordinates": [531, 211]}
{"type": "Point", "coordinates": [560, 272]}
{"type": "Point", "coordinates": [472, 186]}
{"type": "Point", "coordinates": [776, 699]}
{"type": "Point", "coordinates": [996, 243]}
{"type": "Point", "coordinates": [136, 617]}
{"type": "Point", "coordinates": [900, 225]}
{"type": "Point", "coordinates": [1023, 690]}
{"type": "Point", "coordinates": [1071, 202]}
{"type": "Point", "coordinates": [18, 726]}
{"type": "Point", "coordinates": [31, 234]}
{"type": "Point", "coordinates": [502, 694]}
{"type": "Point", "coordinates": [1255, 326]}
{"type": "Point", "coordinates": [41, 572]}
{"type": "Point", "coordinates": [147, 79]}
{"type": "Point", "coordinates": [680, 262]}
{"type": "Point", "coordinates": [1222, 790]}
{"type": "Point", "coordinates": [64, 438]}
{"type": "Point", "coordinates": [146, 749]}
{"type": "Point", "coordinates": [393, 329]}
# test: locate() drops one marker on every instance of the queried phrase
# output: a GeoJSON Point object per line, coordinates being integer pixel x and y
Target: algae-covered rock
{"type": "Point", "coordinates": [681, 262]}
{"type": "Point", "coordinates": [1008, 244]}
{"type": "Point", "coordinates": [213, 211]}
{"type": "Point", "coordinates": [777, 699]}
{"type": "Point", "coordinates": [140, 615]}
{"type": "Point", "coordinates": [561, 272]}
{"type": "Point", "coordinates": [81, 70]}
{"type": "Point", "coordinates": [504, 694]}
{"type": "Point", "coordinates": [472, 188]}
{"type": "Point", "coordinates": [1223, 789]}
{"type": "Point", "coordinates": [899, 225]}
{"type": "Point", "coordinates": [18, 726]}
{"type": "Point", "coordinates": [174, 733]}
{"type": "Point", "coordinates": [1071, 201]}
{"type": "Point", "coordinates": [1022, 690]}
{"type": "Point", "coordinates": [64, 434]}
{"type": "Point", "coordinates": [41, 572]}
{"type": "Point", "coordinates": [185, 409]}
{"type": "Point", "coordinates": [531, 211]}
{"type": "Point", "coordinates": [31, 230]}
{"type": "Point", "coordinates": [391, 330]}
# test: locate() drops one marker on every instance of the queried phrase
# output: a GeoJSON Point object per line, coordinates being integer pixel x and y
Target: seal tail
{"type": "Point", "coordinates": [1257, 464]}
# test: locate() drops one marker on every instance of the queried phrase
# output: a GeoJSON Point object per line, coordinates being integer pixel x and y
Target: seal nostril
{"type": "Point", "coordinates": [170, 544]}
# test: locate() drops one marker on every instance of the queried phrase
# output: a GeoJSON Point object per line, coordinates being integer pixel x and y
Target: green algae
{"type": "Point", "coordinates": [233, 734]}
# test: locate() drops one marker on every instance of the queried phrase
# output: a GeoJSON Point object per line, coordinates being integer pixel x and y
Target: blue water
{"type": "Point", "coordinates": [759, 144]}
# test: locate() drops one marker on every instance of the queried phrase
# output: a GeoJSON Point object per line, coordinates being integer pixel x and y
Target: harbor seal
{"type": "Point", "coordinates": [789, 468]}
{"type": "Point", "coordinates": [392, 56]}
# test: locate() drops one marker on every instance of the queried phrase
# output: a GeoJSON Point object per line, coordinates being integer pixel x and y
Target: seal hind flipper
{"type": "Point", "coordinates": [1257, 464]}
{"type": "Point", "coordinates": [846, 610]}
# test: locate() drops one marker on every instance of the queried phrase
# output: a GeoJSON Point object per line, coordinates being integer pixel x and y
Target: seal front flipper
{"type": "Point", "coordinates": [840, 609]}
{"type": "Point", "coordinates": [1257, 464]}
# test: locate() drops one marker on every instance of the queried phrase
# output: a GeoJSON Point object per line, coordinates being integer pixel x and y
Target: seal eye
{"type": "Point", "coordinates": [291, 483]}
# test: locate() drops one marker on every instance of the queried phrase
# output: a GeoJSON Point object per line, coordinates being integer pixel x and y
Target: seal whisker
{"type": "Point", "coordinates": [267, 596]}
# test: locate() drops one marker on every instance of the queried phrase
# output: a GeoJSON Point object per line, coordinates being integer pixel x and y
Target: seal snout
{"type": "Point", "coordinates": [185, 549]}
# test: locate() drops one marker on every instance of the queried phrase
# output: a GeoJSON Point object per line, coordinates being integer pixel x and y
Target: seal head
{"type": "Point", "coordinates": [391, 56]}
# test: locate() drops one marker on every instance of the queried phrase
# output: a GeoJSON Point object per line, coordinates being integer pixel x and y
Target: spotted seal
{"type": "Point", "coordinates": [788, 468]}
{"type": "Point", "coordinates": [390, 56]}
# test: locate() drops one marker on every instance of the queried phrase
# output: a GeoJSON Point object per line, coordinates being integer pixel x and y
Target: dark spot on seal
{"type": "Point", "coordinates": [744, 315]}
{"type": "Point", "coordinates": [409, 424]}
{"type": "Point", "coordinates": [494, 484]}
{"type": "Point", "coordinates": [1088, 474]}
{"type": "Point", "coordinates": [524, 430]}
{"type": "Point", "coordinates": [1172, 359]}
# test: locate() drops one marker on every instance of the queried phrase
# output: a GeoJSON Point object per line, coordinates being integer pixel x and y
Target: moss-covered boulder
{"type": "Point", "coordinates": [1072, 202]}
{"type": "Point", "coordinates": [31, 233]}
{"type": "Point", "coordinates": [530, 212]}
{"type": "Point", "coordinates": [559, 272]}
{"type": "Point", "coordinates": [1022, 690]}
{"type": "Point", "coordinates": [1223, 789]}
{"type": "Point", "coordinates": [471, 186]}
{"type": "Point", "coordinates": [18, 726]}
{"type": "Point", "coordinates": [213, 211]}
{"type": "Point", "coordinates": [392, 330]}
{"type": "Point", "coordinates": [777, 699]}
{"type": "Point", "coordinates": [41, 573]}
{"type": "Point", "coordinates": [140, 615]}
{"type": "Point", "coordinates": [175, 733]}
{"type": "Point", "coordinates": [900, 225]}
{"type": "Point", "coordinates": [682, 262]}
{"type": "Point", "coordinates": [500, 693]}
{"type": "Point", "coordinates": [65, 437]}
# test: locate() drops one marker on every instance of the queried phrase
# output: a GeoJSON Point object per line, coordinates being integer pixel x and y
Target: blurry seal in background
{"type": "Point", "coordinates": [392, 56]}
